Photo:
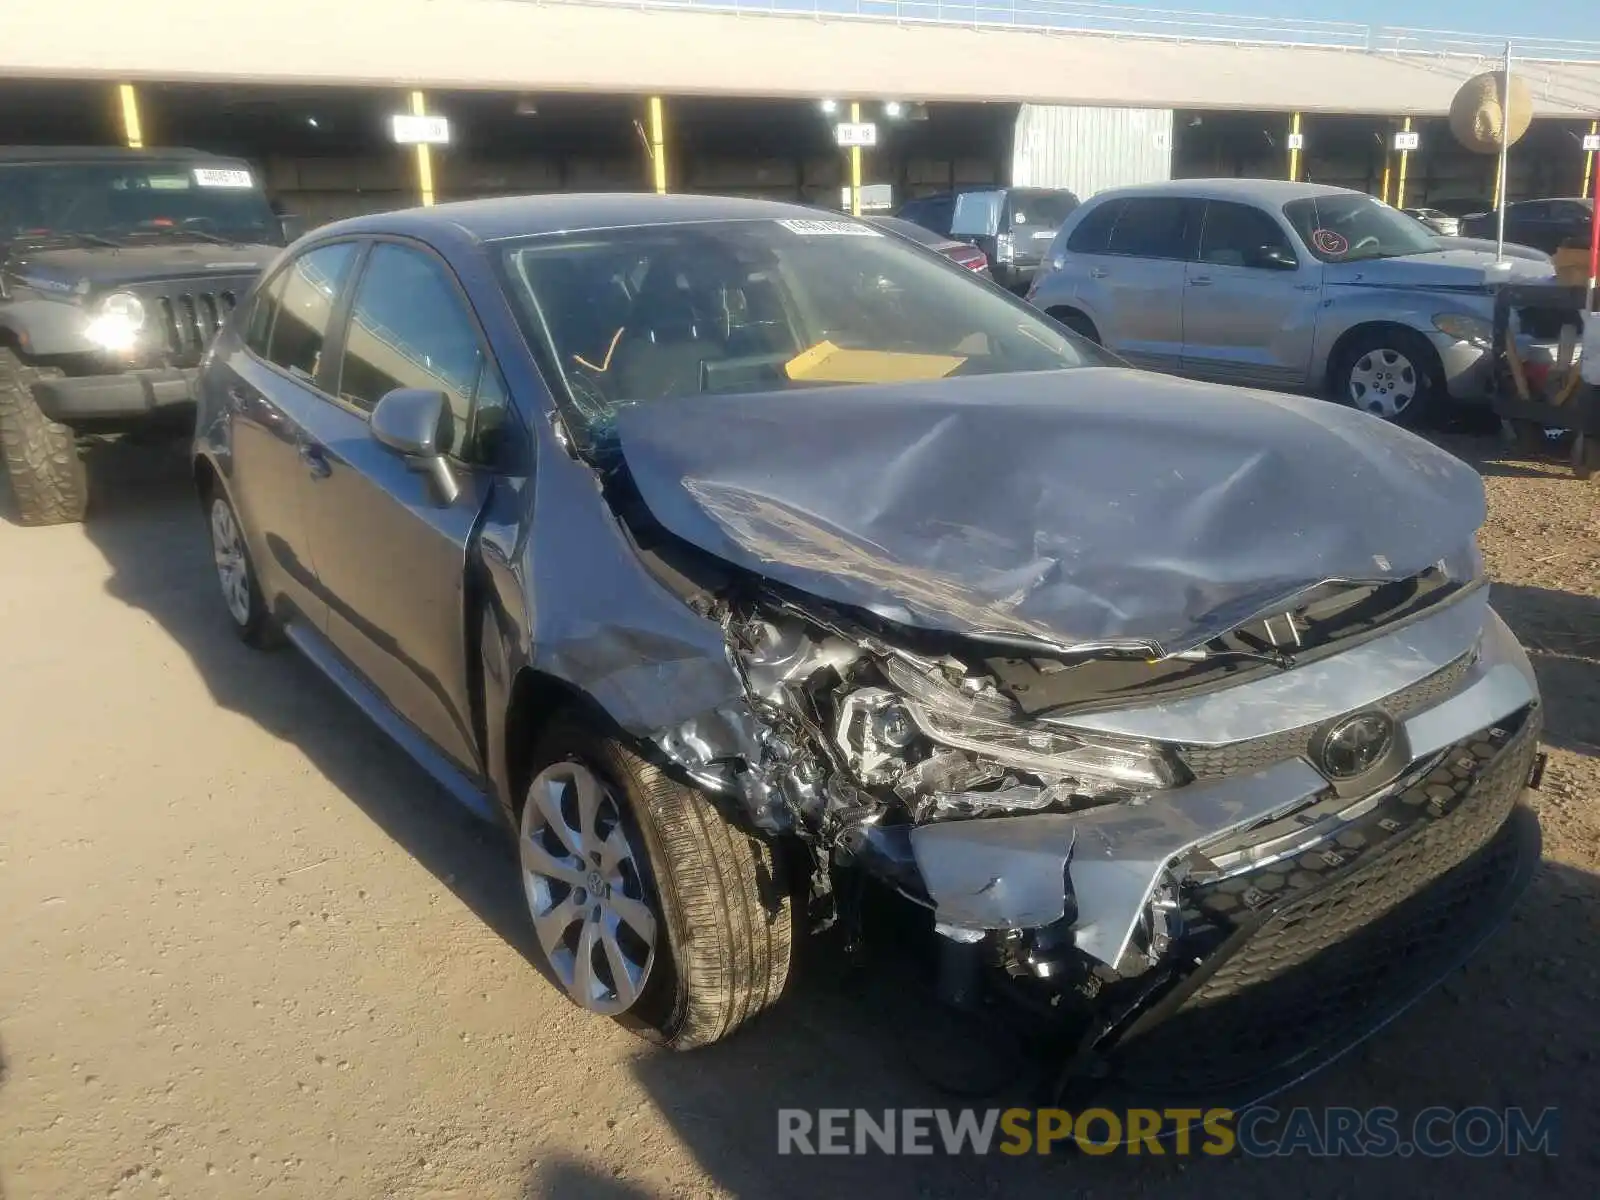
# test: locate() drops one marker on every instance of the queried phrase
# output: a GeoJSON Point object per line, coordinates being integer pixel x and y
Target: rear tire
{"type": "Point", "coordinates": [720, 940]}
{"type": "Point", "coordinates": [236, 574]}
{"type": "Point", "coordinates": [41, 456]}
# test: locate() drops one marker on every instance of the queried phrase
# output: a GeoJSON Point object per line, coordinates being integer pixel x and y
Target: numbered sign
{"type": "Point", "coordinates": [411, 130]}
{"type": "Point", "coordinates": [856, 133]}
{"type": "Point", "coordinates": [1407, 140]}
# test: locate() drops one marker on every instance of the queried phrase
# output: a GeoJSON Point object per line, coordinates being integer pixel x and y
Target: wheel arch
{"type": "Point", "coordinates": [1341, 349]}
{"type": "Point", "coordinates": [535, 700]}
{"type": "Point", "coordinates": [1069, 315]}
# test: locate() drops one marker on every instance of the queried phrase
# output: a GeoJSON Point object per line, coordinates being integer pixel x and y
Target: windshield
{"type": "Point", "coordinates": [124, 202]}
{"type": "Point", "coordinates": [651, 313]}
{"type": "Point", "coordinates": [1350, 228]}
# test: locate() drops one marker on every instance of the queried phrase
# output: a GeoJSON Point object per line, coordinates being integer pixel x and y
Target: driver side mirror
{"type": "Point", "coordinates": [417, 424]}
{"type": "Point", "coordinates": [1274, 258]}
{"type": "Point", "coordinates": [291, 226]}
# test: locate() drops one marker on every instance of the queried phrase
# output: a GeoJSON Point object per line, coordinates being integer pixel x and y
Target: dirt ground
{"type": "Point", "coordinates": [246, 949]}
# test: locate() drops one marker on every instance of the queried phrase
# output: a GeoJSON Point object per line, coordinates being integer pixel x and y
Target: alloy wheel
{"type": "Point", "coordinates": [1383, 382]}
{"type": "Point", "coordinates": [585, 889]}
{"type": "Point", "coordinates": [233, 568]}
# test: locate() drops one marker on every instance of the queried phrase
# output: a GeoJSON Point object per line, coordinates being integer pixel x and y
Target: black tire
{"type": "Point", "coordinates": [41, 456]}
{"type": "Point", "coordinates": [1416, 365]}
{"type": "Point", "coordinates": [251, 618]}
{"type": "Point", "coordinates": [1585, 456]}
{"type": "Point", "coordinates": [715, 891]}
{"type": "Point", "coordinates": [1078, 323]}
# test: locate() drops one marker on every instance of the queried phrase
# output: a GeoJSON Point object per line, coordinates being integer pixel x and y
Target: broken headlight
{"type": "Point", "coordinates": [980, 723]}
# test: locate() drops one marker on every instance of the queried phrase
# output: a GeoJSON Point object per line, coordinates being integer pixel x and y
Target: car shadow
{"type": "Point", "coordinates": [146, 523]}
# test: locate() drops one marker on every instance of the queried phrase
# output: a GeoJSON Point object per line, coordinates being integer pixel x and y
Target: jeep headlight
{"type": "Point", "coordinates": [978, 725]}
{"type": "Point", "coordinates": [116, 323]}
{"type": "Point", "coordinates": [1465, 328]}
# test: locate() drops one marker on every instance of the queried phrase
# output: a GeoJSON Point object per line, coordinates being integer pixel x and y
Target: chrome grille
{"type": "Point", "coordinates": [189, 320]}
{"type": "Point", "coordinates": [1242, 758]}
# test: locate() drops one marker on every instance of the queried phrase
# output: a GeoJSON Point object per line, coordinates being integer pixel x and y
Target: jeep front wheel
{"type": "Point", "coordinates": [41, 457]}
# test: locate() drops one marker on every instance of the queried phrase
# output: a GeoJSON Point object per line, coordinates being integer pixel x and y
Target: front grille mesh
{"type": "Point", "coordinates": [1256, 754]}
{"type": "Point", "coordinates": [1320, 965]}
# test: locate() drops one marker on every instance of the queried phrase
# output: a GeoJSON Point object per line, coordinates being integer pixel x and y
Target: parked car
{"type": "Point", "coordinates": [1013, 226]}
{"type": "Point", "coordinates": [1462, 206]}
{"type": "Point", "coordinates": [1544, 224]}
{"type": "Point", "coordinates": [962, 253]}
{"type": "Point", "coordinates": [729, 555]}
{"type": "Point", "coordinates": [116, 267]}
{"type": "Point", "coordinates": [1295, 286]}
{"type": "Point", "coordinates": [1484, 245]}
{"type": "Point", "coordinates": [1437, 221]}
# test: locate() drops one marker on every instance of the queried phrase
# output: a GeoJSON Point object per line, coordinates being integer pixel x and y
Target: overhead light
{"type": "Point", "coordinates": [893, 109]}
{"type": "Point", "coordinates": [312, 121]}
{"type": "Point", "coordinates": [828, 107]}
{"type": "Point", "coordinates": [526, 107]}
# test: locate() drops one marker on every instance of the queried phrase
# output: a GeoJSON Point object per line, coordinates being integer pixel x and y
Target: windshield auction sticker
{"type": "Point", "coordinates": [219, 177]}
{"type": "Point", "coordinates": [1329, 242]}
{"type": "Point", "coordinates": [829, 229]}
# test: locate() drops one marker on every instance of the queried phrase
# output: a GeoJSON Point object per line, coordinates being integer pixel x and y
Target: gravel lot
{"type": "Point", "coordinates": [247, 949]}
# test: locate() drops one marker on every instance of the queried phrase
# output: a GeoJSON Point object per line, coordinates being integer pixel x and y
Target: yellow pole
{"type": "Point", "coordinates": [855, 163]}
{"type": "Point", "coordinates": [658, 145]}
{"type": "Point", "coordinates": [1588, 159]}
{"type": "Point", "coordinates": [1400, 187]}
{"type": "Point", "coordinates": [130, 115]}
{"type": "Point", "coordinates": [1294, 151]}
{"type": "Point", "coordinates": [419, 108]}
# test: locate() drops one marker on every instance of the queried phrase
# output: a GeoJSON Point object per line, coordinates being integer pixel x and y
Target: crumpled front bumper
{"type": "Point", "coordinates": [1442, 678]}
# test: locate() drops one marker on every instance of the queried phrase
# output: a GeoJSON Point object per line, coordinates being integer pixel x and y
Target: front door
{"type": "Point", "coordinates": [1250, 301]}
{"type": "Point", "coordinates": [391, 553]}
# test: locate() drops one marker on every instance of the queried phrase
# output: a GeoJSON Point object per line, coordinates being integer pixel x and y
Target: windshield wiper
{"type": "Point", "coordinates": [43, 240]}
{"type": "Point", "coordinates": [175, 231]}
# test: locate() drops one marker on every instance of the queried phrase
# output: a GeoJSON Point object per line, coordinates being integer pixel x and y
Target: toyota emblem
{"type": "Point", "coordinates": [1354, 745]}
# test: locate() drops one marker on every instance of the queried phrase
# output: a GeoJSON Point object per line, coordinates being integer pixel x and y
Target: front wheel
{"type": "Point", "coordinates": [649, 907]}
{"type": "Point", "coordinates": [41, 456]}
{"type": "Point", "coordinates": [1392, 374]}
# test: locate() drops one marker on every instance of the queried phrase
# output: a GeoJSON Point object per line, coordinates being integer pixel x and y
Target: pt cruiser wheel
{"type": "Point", "coordinates": [647, 904]}
{"type": "Point", "coordinates": [1389, 373]}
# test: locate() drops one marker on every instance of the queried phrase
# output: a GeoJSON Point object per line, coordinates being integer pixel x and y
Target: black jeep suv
{"type": "Point", "coordinates": [116, 268]}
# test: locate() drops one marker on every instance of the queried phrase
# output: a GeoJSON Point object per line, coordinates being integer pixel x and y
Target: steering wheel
{"type": "Point", "coordinates": [1370, 240]}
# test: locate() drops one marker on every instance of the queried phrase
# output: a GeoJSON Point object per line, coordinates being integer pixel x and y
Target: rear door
{"type": "Point", "coordinates": [1131, 283]}
{"type": "Point", "coordinates": [1250, 300]}
{"type": "Point", "coordinates": [391, 553]}
{"type": "Point", "coordinates": [270, 379]}
{"type": "Point", "coordinates": [1032, 217]}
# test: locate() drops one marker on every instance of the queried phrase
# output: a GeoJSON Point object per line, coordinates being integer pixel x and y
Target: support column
{"type": "Point", "coordinates": [855, 163]}
{"type": "Point", "coordinates": [1294, 148]}
{"type": "Point", "coordinates": [1405, 158]}
{"type": "Point", "coordinates": [1588, 159]}
{"type": "Point", "coordinates": [1388, 160]}
{"type": "Point", "coordinates": [658, 145]}
{"type": "Point", "coordinates": [131, 128]}
{"type": "Point", "coordinates": [419, 108]}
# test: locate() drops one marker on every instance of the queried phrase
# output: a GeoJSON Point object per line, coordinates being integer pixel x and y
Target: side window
{"type": "Point", "coordinates": [1093, 233]}
{"type": "Point", "coordinates": [1569, 210]}
{"type": "Point", "coordinates": [263, 313]}
{"type": "Point", "coordinates": [409, 328]}
{"type": "Point", "coordinates": [1152, 227]}
{"type": "Point", "coordinates": [1237, 235]}
{"type": "Point", "coordinates": [307, 296]}
{"type": "Point", "coordinates": [1530, 210]}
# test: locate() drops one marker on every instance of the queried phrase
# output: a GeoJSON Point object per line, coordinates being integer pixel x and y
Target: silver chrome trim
{"type": "Point", "coordinates": [1007, 872]}
{"type": "Point", "coordinates": [1308, 694]}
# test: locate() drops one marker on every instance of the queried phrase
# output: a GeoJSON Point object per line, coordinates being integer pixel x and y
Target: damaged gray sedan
{"type": "Point", "coordinates": [730, 553]}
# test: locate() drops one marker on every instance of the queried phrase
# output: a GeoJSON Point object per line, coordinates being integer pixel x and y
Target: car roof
{"type": "Point", "coordinates": [1263, 191]}
{"type": "Point", "coordinates": [49, 154]}
{"type": "Point", "coordinates": [526, 216]}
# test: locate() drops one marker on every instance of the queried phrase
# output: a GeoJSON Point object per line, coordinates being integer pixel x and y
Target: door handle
{"type": "Point", "coordinates": [1200, 281]}
{"type": "Point", "coordinates": [1098, 272]}
{"type": "Point", "coordinates": [1308, 287]}
{"type": "Point", "coordinates": [316, 462]}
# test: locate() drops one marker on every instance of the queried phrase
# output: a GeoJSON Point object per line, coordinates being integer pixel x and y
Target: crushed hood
{"type": "Point", "coordinates": [1074, 508]}
{"type": "Point", "coordinates": [1449, 270]}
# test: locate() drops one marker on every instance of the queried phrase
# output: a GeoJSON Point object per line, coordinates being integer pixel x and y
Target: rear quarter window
{"type": "Point", "coordinates": [1092, 234]}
